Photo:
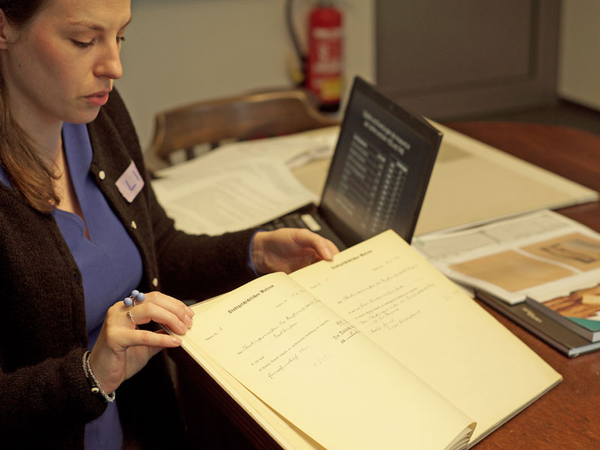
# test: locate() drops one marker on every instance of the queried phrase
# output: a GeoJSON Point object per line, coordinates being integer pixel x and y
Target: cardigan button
{"type": "Point", "coordinates": [155, 282]}
{"type": "Point", "coordinates": [133, 225]}
{"type": "Point", "coordinates": [102, 175]}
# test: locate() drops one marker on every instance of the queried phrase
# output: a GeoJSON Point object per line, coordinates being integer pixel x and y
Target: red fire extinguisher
{"type": "Point", "coordinates": [324, 59]}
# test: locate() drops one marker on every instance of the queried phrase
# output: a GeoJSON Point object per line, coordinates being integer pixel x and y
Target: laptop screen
{"type": "Point", "coordinates": [380, 168]}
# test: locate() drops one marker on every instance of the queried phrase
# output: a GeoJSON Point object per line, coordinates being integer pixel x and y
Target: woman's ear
{"type": "Point", "coordinates": [2, 26]}
{"type": "Point", "coordinates": [5, 31]}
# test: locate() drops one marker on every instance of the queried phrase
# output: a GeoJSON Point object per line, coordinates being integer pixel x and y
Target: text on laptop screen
{"type": "Point", "coordinates": [380, 168]}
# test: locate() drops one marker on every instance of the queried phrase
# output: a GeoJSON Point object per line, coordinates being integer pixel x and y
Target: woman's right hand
{"type": "Point", "coordinates": [122, 349]}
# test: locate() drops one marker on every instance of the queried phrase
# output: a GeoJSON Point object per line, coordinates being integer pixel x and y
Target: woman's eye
{"type": "Point", "coordinates": [120, 39]}
{"type": "Point", "coordinates": [83, 44]}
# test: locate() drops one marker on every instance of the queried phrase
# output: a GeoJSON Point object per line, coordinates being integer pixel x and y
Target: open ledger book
{"type": "Point", "coordinates": [376, 349]}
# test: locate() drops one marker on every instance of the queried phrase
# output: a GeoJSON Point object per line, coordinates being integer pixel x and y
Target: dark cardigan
{"type": "Point", "coordinates": [44, 396]}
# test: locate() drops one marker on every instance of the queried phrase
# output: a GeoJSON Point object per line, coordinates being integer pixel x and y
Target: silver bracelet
{"type": "Point", "coordinates": [96, 388]}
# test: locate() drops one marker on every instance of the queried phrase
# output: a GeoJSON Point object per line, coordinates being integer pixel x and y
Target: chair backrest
{"type": "Point", "coordinates": [246, 117]}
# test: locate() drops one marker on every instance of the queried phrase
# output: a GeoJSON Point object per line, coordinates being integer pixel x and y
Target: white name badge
{"type": "Point", "coordinates": [130, 183]}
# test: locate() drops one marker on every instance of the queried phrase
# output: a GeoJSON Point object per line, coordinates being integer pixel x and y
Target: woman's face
{"type": "Point", "coordinates": [62, 64]}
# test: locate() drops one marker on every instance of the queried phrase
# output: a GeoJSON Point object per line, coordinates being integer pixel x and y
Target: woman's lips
{"type": "Point", "coordinates": [98, 98]}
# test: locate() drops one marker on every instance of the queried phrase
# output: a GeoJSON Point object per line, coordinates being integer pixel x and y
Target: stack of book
{"type": "Point", "coordinates": [542, 270]}
{"type": "Point", "coordinates": [570, 335]}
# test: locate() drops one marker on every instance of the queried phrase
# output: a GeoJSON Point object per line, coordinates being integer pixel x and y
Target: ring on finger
{"type": "Point", "coordinates": [131, 317]}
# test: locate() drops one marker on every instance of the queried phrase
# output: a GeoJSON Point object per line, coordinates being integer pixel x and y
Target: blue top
{"type": "Point", "coordinates": [109, 262]}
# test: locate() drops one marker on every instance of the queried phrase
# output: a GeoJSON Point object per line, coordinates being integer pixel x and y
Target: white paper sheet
{"type": "Point", "coordinates": [216, 195]}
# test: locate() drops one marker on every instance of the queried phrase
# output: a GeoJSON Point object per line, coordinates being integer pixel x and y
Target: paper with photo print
{"type": "Point", "coordinates": [518, 258]}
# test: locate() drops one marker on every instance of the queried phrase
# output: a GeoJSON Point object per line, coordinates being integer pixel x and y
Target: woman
{"type": "Point", "coordinates": [73, 243]}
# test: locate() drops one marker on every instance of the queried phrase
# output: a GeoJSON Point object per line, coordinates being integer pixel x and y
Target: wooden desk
{"type": "Point", "coordinates": [568, 417]}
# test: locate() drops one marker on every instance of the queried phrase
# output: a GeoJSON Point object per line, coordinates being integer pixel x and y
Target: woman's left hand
{"type": "Point", "coordinates": [122, 349]}
{"type": "Point", "coordinates": [289, 249]}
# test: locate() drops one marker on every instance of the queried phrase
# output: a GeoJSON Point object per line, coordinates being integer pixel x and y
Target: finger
{"type": "Point", "coordinates": [155, 341]}
{"type": "Point", "coordinates": [324, 247]}
{"type": "Point", "coordinates": [329, 251]}
{"type": "Point", "coordinates": [152, 312]}
{"type": "Point", "coordinates": [171, 303]}
{"type": "Point", "coordinates": [177, 307]}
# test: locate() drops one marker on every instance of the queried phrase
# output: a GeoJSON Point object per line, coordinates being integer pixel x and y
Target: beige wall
{"type": "Point", "coordinates": [579, 66]}
{"type": "Point", "coordinates": [178, 51]}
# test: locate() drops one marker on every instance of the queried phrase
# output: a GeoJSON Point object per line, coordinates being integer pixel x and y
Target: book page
{"type": "Point", "coordinates": [321, 373]}
{"type": "Point", "coordinates": [520, 257]}
{"type": "Point", "coordinates": [404, 304]}
{"type": "Point", "coordinates": [281, 430]}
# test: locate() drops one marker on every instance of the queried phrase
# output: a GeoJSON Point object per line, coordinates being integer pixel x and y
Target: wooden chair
{"type": "Point", "coordinates": [244, 117]}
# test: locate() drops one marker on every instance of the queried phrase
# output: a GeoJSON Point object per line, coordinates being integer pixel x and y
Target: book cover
{"type": "Point", "coordinates": [579, 310]}
{"type": "Point", "coordinates": [547, 329]}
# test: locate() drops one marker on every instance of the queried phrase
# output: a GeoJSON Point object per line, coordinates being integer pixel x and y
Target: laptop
{"type": "Point", "coordinates": [378, 175]}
